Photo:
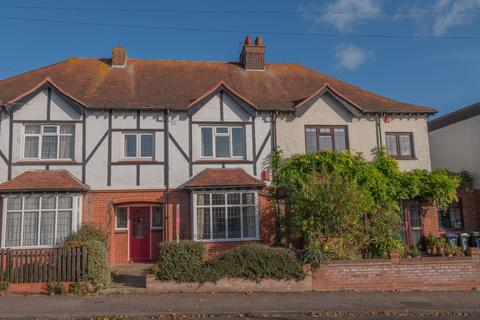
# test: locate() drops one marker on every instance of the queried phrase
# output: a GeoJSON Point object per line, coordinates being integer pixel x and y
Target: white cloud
{"type": "Point", "coordinates": [342, 15]}
{"type": "Point", "coordinates": [443, 22]}
{"type": "Point", "coordinates": [351, 57]}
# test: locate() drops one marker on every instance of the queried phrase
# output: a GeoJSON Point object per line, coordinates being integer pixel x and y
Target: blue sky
{"type": "Point", "coordinates": [440, 72]}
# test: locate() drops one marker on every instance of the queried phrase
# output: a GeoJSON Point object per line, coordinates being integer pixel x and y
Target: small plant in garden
{"type": "Point", "coordinates": [81, 288]}
{"type": "Point", "coordinates": [3, 286]}
{"type": "Point", "coordinates": [56, 288]}
{"type": "Point", "coordinates": [413, 252]}
{"type": "Point", "coordinates": [86, 232]}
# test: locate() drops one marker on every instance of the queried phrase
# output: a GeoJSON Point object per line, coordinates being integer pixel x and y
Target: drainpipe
{"type": "Point", "coordinates": [166, 173]}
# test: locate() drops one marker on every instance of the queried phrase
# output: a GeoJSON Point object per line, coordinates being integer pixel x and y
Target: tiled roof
{"type": "Point", "coordinates": [43, 180]}
{"type": "Point", "coordinates": [175, 84]}
{"type": "Point", "coordinates": [455, 116]}
{"type": "Point", "coordinates": [225, 177]}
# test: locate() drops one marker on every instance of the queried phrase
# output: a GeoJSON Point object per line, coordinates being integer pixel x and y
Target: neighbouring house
{"type": "Point", "coordinates": [154, 150]}
{"type": "Point", "coordinates": [454, 146]}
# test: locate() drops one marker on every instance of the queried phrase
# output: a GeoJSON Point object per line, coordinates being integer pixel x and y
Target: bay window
{"type": "Point", "coordinates": [223, 142]}
{"type": "Point", "coordinates": [34, 220]}
{"type": "Point", "coordinates": [138, 145]}
{"type": "Point", "coordinates": [225, 215]}
{"type": "Point", "coordinates": [48, 142]}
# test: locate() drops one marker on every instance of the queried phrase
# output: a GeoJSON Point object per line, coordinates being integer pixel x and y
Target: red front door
{"type": "Point", "coordinates": [139, 233]}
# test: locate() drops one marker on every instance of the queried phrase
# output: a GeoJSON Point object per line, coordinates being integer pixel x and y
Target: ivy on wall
{"type": "Point", "coordinates": [323, 186]}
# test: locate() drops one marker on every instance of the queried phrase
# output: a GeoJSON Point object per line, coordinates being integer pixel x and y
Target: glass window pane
{"type": "Point", "coordinates": [221, 130]}
{"type": "Point", "coordinates": [203, 223]}
{"type": "Point", "coordinates": [130, 148]}
{"type": "Point", "coordinates": [207, 143]}
{"type": "Point", "coordinates": [31, 147]}
{"type": "Point", "coordinates": [122, 218]}
{"type": "Point", "coordinates": [233, 198]}
{"type": "Point", "coordinates": [248, 198]}
{"type": "Point", "coordinates": [47, 224]}
{"type": "Point", "coordinates": [405, 145]}
{"type": "Point", "coordinates": [67, 129]}
{"type": "Point", "coordinates": [49, 202]}
{"type": "Point", "coordinates": [49, 129]}
{"type": "Point", "coordinates": [340, 139]}
{"type": "Point", "coordinates": [64, 225]}
{"type": "Point", "coordinates": [203, 199]}
{"type": "Point", "coordinates": [325, 142]}
{"type": "Point", "coordinates": [66, 147]}
{"type": "Point", "coordinates": [14, 203]}
{"type": "Point", "coordinates": [222, 146]}
{"type": "Point", "coordinates": [218, 199]}
{"type": "Point", "coordinates": [157, 216]}
{"type": "Point", "coordinates": [238, 142]}
{"type": "Point", "coordinates": [234, 223]}
{"type": "Point", "coordinates": [218, 223]}
{"type": "Point", "coordinates": [49, 147]}
{"type": "Point", "coordinates": [30, 229]}
{"type": "Point", "coordinates": [391, 144]}
{"type": "Point", "coordinates": [32, 129]}
{"type": "Point", "coordinates": [311, 139]}
{"type": "Point", "coordinates": [249, 222]}
{"type": "Point", "coordinates": [32, 203]}
{"type": "Point", "coordinates": [65, 202]}
{"type": "Point", "coordinates": [325, 130]}
{"type": "Point", "coordinates": [146, 142]}
{"type": "Point", "coordinates": [13, 229]}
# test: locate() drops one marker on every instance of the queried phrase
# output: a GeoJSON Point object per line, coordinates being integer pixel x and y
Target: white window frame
{"type": "Point", "coordinates": [138, 151]}
{"type": "Point", "coordinates": [40, 142]}
{"type": "Point", "coordinates": [76, 218]}
{"type": "Point", "coordinates": [128, 218]}
{"type": "Point", "coordinates": [151, 217]}
{"type": "Point", "coordinates": [226, 205]}
{"type": "Point", "coordinates": [230, 141]}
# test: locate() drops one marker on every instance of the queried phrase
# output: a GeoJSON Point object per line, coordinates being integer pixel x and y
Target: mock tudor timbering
{"type": "Point", "coordinates": [135, 132]}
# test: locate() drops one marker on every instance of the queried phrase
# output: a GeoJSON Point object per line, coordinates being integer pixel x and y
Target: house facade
{"type": "Point", "coordinates": [152, 151]}
{"type": "Point", "coordinates": [454, 146]}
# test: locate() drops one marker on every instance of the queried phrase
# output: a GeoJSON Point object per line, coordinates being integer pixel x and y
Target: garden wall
{"type": "Point", "coordinates": [429, 273]}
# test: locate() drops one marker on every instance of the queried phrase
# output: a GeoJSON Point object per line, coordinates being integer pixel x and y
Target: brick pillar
{"type": "Point", "coordinates": [430, 219]}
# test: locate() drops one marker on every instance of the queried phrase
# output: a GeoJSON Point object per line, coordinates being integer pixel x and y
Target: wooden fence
{"type": "Point", "coordinates": [43, 265]}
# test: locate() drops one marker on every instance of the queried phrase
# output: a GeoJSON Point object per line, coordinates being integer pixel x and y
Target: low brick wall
{"type": "Point", "coordinates": [430, 273]}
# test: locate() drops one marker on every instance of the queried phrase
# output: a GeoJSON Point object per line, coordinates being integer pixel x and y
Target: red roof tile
{"type": "Point", "coordinates": [176, 84]}
{"type": "Point", "coordinates": [43, 180]}
{"type": "Point", "coordinates": [224, 177]}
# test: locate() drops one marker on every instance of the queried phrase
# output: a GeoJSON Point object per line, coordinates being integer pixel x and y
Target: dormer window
{"type": "Point", "coordinates": [49, 142]}
{"type": "Point", "coordinates": [223, 142]}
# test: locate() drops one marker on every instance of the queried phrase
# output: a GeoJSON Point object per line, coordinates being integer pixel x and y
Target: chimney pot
{"type": "Point", "coordinates": [119, 57]}
{"type": "Point", "coordinates": [248, 41]}
{"type": "Point", "coordinates": [258, 41]}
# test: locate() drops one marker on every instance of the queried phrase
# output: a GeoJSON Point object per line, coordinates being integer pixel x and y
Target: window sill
{"type": "Point", "coordinates": [44, 162]}
{"type": "Point", "coordinates": [229, 240]}
{"type": "Point", "coordinates": [121, 231]}
{"type": "Point", "coordinates": [157, 229]}
{"type": "Point", "coordinates": [56, 246]}
{"type": "Point", "coordinates": [137, 161]}
{"type": "Point", "coordinates": [220, 161]}
{"type": "Point", "coordinates": [400, 158]}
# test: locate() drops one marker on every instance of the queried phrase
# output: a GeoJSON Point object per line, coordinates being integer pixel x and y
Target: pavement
{"type": "Point", "coordinates": [443, 305]}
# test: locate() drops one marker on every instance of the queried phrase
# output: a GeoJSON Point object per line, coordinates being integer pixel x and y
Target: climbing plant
{"type": "Point", "coordinates": [357, 198]}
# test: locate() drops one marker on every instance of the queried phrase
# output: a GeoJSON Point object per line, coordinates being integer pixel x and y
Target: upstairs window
{"type": "Point", "coordinates": [138, 145]}
{"type": "Point", "coordinates": [49, 142]}
{"type": "Point", "coordinates": [399, 144]}
{"type": "Point", "coordinates": [223, 142]}
{"type": "Point", "coordinates": [320, 138]}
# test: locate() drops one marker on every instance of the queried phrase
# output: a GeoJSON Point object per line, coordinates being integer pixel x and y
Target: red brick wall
{"type": "Point", "coordinates": [398, 274]}
{"type": "Point", "coordinates": [470, 204]}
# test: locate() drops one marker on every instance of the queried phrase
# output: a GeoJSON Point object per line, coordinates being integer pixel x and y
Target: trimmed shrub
{"type": "Point", "coordinates": [257, 262]}
{"type": "Point", "coordinates": [3, 286]}
{"type": "Point", "coordinates": [183, 262]}
{"type": "Point", "coordinates": [86, 232]}
{"type": "Point", "coordinates": [56, 288]}
{"type": "Point", "coordinates": [98, 273]}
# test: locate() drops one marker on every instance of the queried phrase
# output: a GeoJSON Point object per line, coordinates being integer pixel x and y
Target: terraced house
{"type": "Point", "coordinates": [154, 150]}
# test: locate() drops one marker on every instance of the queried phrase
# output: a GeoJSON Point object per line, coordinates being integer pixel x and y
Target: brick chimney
{"type": "Point", "coordinates": [253, 55]}
{"type": "Point", "coordinates": [119, 57]}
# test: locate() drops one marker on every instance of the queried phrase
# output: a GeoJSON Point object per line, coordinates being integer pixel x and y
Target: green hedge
{"type": "Point", "coordinates": [185, 262]}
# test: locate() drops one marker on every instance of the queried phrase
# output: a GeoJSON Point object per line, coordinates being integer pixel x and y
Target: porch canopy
{"type": "Point", "coordinates": [223, 178]}
{"type": "Point", "coordinates": [43, 181]}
